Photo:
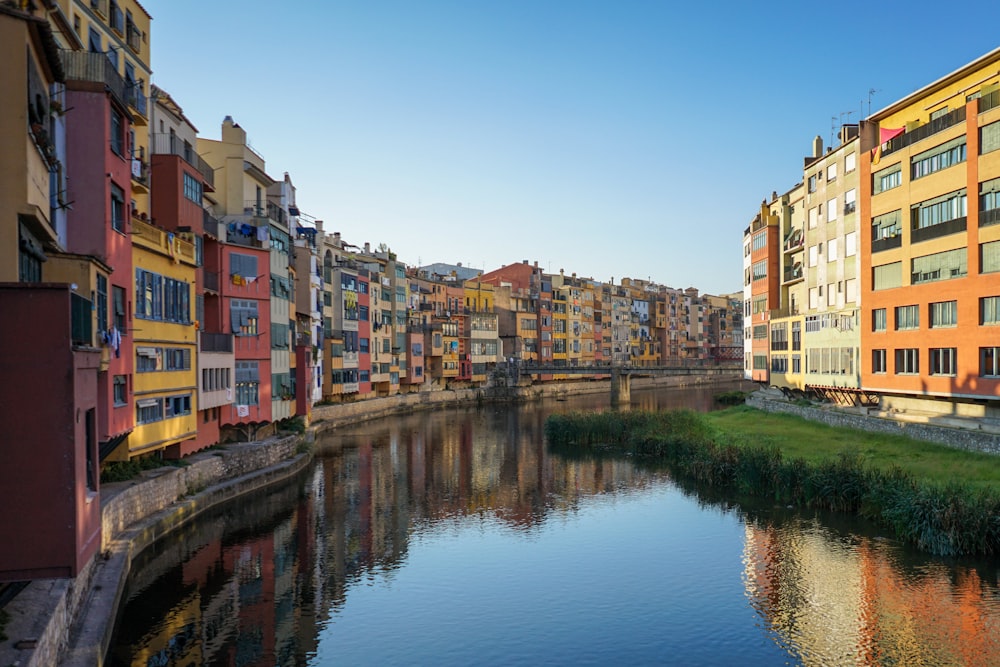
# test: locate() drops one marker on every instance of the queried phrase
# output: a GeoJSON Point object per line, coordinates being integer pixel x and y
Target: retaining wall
{"type": "Point", "coordinates": [960, 438]}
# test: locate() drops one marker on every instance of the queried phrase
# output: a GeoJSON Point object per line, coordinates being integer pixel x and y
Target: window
{"type": "Point", "coordinates": [760, 270]}
{"type": "Point", "coordinates": [939, 266]}
{"type": "Point", "coordinates": [178, 359]}
{"type": "Point", "coordinates": [939, 210]}
{"type": "Point", "coordinates": [177, 406]}
{"type": "Point", "coordinates": [850, 201]}
{"type": "Point", "coordinates": [94, 41]}
{"type": "Point", "coordinates": [887, 276]}
{"type": "Point", "coordinates": [117, 133]}
{"type": "Point", "coordinates": [831, 172]}
{"type": "Point", "coordinates": [796, 336]}
{"type": "Point", "coordinates": [242, 265]}
{"type": "Point", "coordinates": [989, 362]}
{"type": "Point", "coordinates": [831, 210]}
{"type": "Point", "coordinates": [796, 363]}
{"type": "Point", "coordinates": [850, 244]}
{"type": "Point", "coordinates": [120, 384]}
{"type": "Point", "coordinates": [102, 303]}
{"type": "Point", "coordinates": [779, 337]}
{"type": "Point", "coordinates": [944, 314]}
{"type": "Point", "coordinates": [851, 290]}
{"type": "Point", "coordinates": [989, 310]}
{"type": "Point", "coordinates": [813, 217]}
{"type": "Point", "coordinates": [148, 410]}
{"type": "Point", "coordinates": [887, 179]}
{"type": "Point", "coordinates": [247, 383]}
{"type": "Point", "coordinates": [243, 317]}
{"type": "Point", "coordinates": [907, 361]}
{"type": "Point", "coordinates": [118, 304]}
{"type": "Point", "coordinates": [192, 188]}
{"type": "Point", "coordinates": [760, 240]}
{"type": "Point", "coordinates": [989, 202]}
{"type": "Point", "coordinates": [943, 360]}
{"type": "Point", "coordinates": [812, 183]}
{"type": "Point", "coordinates": [813, 255]}
{"type": "Point", "coordinates": [989, 257]}
{"type": "Point", "coordinates": [779, 363]}
{"type": "Point", "coordinates": [117, 209]}
{"type": "Point", "coordinates": [907, 317]}
{"type": "Point", "coordinates": [363, 346]}
{"type": "Point", "coordinates": [938, 158]}
{"type": "Point", "coordinates": [878, 319]}
{"type": "Point", "coordinates": [878, 362]}
{"type": "Point", "coordinates": [850, 161]}
{"type": "Point", "coordinates": [989, 138]}
{"type": "Point", "coordinates": [831, 250]}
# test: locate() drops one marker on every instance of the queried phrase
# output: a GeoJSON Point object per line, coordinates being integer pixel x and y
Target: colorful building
{"type": "Point", "coordinates": [930, 288]}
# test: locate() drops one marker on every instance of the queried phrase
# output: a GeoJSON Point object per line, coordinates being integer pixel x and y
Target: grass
{"type": "Point", "coordinates": [914, 488]}
{"type": "Point", "coordinates": [814, 442]}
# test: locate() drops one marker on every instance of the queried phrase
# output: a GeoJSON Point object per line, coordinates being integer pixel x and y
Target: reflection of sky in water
{"type": "Point", "coordinates": [622, 578]}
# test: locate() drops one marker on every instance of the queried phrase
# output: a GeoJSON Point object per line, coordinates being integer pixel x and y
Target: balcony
{"type": "Point", "coordinates": [990, 217]}
{"type": "Point", "coordinates": [133, 37]}
{"type": "Point", "coordinates": [243, 234]}
{"type": "Point", "coordinates": [795, 240]}
{"type": "Point", "coordinates": [171, 144]}
{"type": "Point", "coordinates": [140, 176]}
{"type": "Point", "coordinates": [887, 243]}
{"type": "Point", "coordinates": [216, 342]}
{"type": "Point", "coordinates": [167, 244]}
{"type": "Point", "coordinates": [937, 125]}
{"type": "Point", "coordinates": [850, 207]}
{"type": "Point", "coordinates": [941, 229]}
{"type": "Point", "coordinates": [987, 102]}
{"type": "Point", "coordinates": [94, 68]}
{"type": "Point", "coordinates": [136, 99]}
{"type": "Point", "coordinates": [793, 273]}
{"type": "Point", "coordinates": [210, 281]}
{"type": "Point", "coordinates": [100, 7]}
{"type": "Point", "coordinates": [210, 224]}
{"type": "Point", "coordinates": [265, 209]}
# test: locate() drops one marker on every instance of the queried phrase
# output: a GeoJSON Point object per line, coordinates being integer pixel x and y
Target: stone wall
{"type": "Point", "coordinates": [960, 438]}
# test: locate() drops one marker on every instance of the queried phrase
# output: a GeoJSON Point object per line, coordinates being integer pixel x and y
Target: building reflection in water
{"type": "Point", "coordinates": [853, 601]}
{"type": "Point", "coordinates": [256, 583]}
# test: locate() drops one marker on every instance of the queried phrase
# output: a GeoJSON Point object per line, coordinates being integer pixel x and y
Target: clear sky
{"type": "Point", "coordinates": [613, 138]}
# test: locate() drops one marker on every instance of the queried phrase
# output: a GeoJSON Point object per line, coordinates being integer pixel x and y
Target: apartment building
{"type": "Point", "coordinates": [830, 336]}
{"type": "Point", "coordinates": [763, 278]}
{"type": "Point", "coordinates": [785, 317]}
{"type": "Point", "coordinates": [930, 290]}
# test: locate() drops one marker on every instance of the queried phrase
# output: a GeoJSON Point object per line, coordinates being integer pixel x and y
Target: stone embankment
{"type": "Point", "coordinates": [70, 621]}
{"type": "Point", "coordinates": [977, 435]}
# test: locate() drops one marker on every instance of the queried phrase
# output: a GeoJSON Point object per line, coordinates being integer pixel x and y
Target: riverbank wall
{"type": "Point", "coordinates": [975, 435]}
{"type": "Point", "coordinates": [70, 621]}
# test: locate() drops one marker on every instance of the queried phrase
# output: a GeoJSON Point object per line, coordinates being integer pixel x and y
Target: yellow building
{"type": "Point", "coordinates": [482, 327]}
{"type": "Point", "coordinates": [786, 319]}
{"type": "Point", "coordinates": [164, 342]}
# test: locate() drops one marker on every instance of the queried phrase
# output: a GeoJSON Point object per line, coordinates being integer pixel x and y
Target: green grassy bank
{"type": "Point", "coordinates": [942, 500]}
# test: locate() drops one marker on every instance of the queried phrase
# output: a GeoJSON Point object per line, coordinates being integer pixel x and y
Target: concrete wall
{"type": "Point", "coordinates": [971, 440]}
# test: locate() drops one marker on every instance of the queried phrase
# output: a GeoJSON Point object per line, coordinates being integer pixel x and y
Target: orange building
{"type": "Point", "coordinates": [764, 280]}
{"type": "Point", "coordinates": [930, 291]}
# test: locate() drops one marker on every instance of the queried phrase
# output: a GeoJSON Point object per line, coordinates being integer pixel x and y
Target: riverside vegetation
{"type": "Point", "coordinates": [942, 500]}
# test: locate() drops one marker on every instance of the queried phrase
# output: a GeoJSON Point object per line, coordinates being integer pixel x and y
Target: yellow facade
{"type": "Point", "coordinates": [164, 341]}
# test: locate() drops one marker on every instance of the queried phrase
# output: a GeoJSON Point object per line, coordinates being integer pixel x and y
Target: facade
{"type": "Point", "coordinates": [242, 262]}
{"type": "Point", "coordinates": [831, 335]}
{"type": "Point", "coordinates": [280, 200]}
{"type": "Point", "coordinates": [764, 283]}
{"type": "Point", "coordinates": [930, 288]}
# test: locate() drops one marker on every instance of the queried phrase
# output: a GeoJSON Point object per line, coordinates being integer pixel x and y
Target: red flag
{"type": "Point", "coordinates": [887, 133]}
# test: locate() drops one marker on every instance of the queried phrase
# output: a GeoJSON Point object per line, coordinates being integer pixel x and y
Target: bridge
{"type": "Point", "coordinates": [621, 375]}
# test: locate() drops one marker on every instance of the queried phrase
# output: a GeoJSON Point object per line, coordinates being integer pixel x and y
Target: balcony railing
{"type": "Point", "coordinates": [140, 171]}
{"type": "Point", "coordinates": [95, 68]}
{"type": "Point", "coordinates": [793, 273]}
{"type": "Point", "coordinates": [133, 37]}
{"type": "Point", "coordinates": [987, 102]}
{"type": "Point", "coordinates": [170, 144]}
{"type": "Point", "coordinates": [941, 229]}
{"type": "Point", "coordinates": [136, 98]}
{"type": "Point", "coordinates": [990, 217]}
{"type": "Point", "coordinates": [210, 224]}
{"type": "Point", "coordinates": [795, 240]}
{"type": "Point", "coordinates": [216, 342]}
{"type": "Point", "coordinates": [168, 244]}
{"type": "Point", "coordinates": [849, 207]}
{"type": "Point", "coordinates": [937, 125]}
{"type": "Point", "coordinates": [82, 327]}
{"type": "Point", "coordinates": [210, 280]}
{"type": "Point", "coordinates": [237, 237]}
{"type": "Point", "coordinates": [887, 243]}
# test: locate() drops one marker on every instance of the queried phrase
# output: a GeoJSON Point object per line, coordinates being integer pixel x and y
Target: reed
{"type": "Point", "coordinates": [945, 519]}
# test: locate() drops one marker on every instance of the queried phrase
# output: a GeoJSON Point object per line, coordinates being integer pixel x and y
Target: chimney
{"type": "Point", "coordinates": [818, 146]}
{"type": "Point", "coordinates": [368, 248]}
{"type": "Point", "coordinates": [774, 195]}
{"type": "Point", "coordinates": [524, 261]}
{"type": "Point", "coordinates": [336, 240]}
{"type": "Point", "coordinates": [319, 226]}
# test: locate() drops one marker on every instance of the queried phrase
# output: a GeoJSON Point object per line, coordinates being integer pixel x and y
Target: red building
{"type": "Point", "coordinates": [99, 169]}
{"type": "Point", "coordinates": [51, 470]}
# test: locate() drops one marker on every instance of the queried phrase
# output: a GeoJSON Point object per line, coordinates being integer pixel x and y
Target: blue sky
{"type": "Point", "coordinates": [604, 138]}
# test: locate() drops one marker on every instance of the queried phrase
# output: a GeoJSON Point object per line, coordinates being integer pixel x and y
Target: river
{"type": "Point", "coordinates": [455, 538]}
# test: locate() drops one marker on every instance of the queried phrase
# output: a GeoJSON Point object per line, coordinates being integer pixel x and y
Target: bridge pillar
{"type": "Point", "coordinates": [621, 388]}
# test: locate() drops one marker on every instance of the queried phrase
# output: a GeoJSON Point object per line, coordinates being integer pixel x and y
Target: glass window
{"type": "Point", "coordinates": [944, 314]}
